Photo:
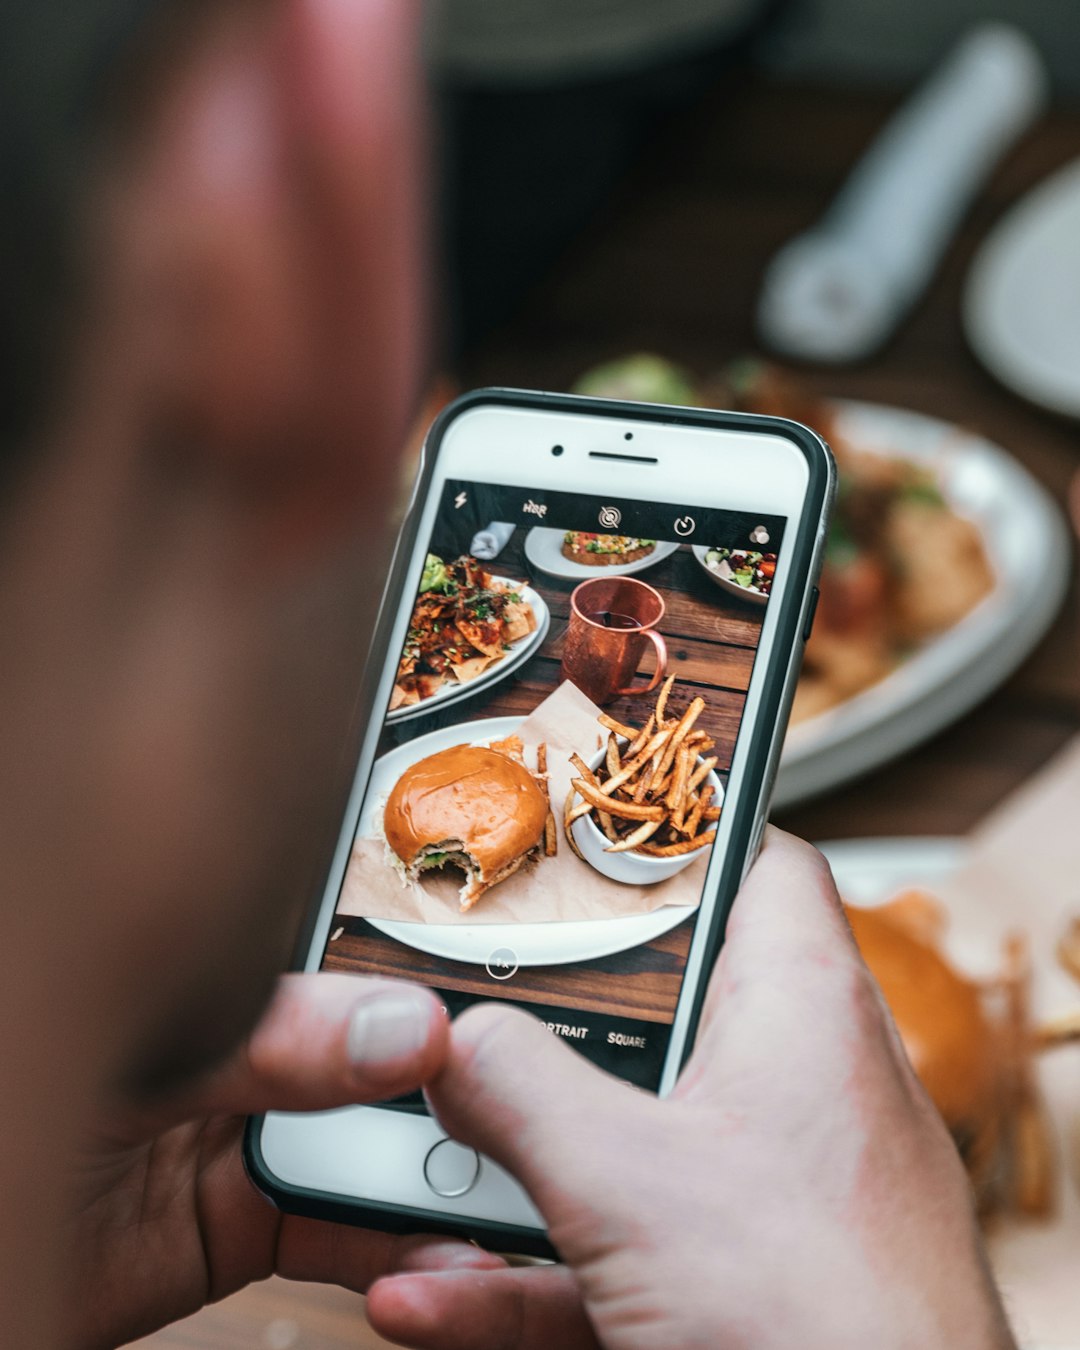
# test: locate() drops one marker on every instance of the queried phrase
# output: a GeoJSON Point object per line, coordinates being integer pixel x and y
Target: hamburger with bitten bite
{"type": "Point", "coordinates": [472, 807]}
{"type": "Point", "coordinates": [950, 1040]}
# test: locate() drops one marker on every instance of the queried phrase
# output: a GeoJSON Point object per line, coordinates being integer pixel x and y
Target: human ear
{"type": "Point", "coordinates": [277, 221]}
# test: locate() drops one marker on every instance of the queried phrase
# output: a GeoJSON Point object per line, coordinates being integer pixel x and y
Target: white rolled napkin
{"type": "Point", "coordinates": [490, 542]}
{"type": "Point", "coordinates": [837, 292]}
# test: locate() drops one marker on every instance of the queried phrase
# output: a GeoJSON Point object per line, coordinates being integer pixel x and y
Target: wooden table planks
{"type": "Point", "coordinates": [641, 983]}
{"type": "Point", "coordinates": [675, 267]}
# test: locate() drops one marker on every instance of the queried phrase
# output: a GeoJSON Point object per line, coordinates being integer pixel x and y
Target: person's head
{"type": "Point", "coordinates": [211, 231]}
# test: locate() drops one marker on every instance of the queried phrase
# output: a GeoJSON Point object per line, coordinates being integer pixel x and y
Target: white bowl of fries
{"type": "Point", "coordinates": [646, 804]}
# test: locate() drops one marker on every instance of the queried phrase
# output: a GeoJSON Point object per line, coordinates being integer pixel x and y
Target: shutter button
{"type": "Point", "coordinates": [451, 1170]}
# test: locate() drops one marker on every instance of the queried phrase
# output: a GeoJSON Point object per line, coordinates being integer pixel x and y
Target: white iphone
{"type": "Point", "coordinates": [579, 688]}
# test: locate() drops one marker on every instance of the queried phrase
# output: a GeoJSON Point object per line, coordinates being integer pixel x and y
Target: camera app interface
{"type": "Point", "coordinates": [554, 760]}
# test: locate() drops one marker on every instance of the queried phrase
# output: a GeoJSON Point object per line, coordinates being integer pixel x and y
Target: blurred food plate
{"type": "Point", "coordinates": [516, 655]}
{"type": "Point", "coordinates": [1026, 541]}
{"type": "Point", "coordinates": [1022, 301]}
{"type": "Point", "coordinates": [543, 549]}
{"type": "Point", "coordinates": [534, 944]}
{"type": "Point", "coordinates": [1034, 1261]}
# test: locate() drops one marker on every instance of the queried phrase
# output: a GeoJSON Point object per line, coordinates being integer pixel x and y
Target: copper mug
{"type": "Point", "coordinates": [612, 623]}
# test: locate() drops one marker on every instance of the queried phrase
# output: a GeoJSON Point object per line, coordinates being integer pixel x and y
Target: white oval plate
{"type": "Point", "coordinates": [534, 944]}
{"type": "Point", "coordinates": [1027, 542]}
{"type": "Point", "coordinates": [748, 593]}
{"type": "Point", "coordinates": [543, 548]}
{"type": "Point", "coordinates": [519, 653]}
{"type": "Point", "coordinates": [1022, 298]}
{"type": "Point", "coordinates": [871, 871]}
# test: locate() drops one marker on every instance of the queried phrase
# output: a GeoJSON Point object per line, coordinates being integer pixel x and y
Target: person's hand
{"type": "Point", "coordinates": [166, 1219]}
{"type": "Point", "coordinates": [797, 1188]}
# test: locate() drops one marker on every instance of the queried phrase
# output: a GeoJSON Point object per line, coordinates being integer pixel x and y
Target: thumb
{"type": "Point", "coordinates": [512, 1090]}
{"type": "Point", "coordinates": [326, 1040]}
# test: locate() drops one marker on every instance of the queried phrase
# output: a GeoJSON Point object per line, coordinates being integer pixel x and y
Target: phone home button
{"type": "Point", "coordinates": [451, 1169]}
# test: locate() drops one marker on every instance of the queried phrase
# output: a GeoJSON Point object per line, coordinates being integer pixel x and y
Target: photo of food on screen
{"type": "Point", "coordinates": [556, 749]}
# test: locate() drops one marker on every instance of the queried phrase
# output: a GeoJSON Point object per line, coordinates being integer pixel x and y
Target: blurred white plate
{"type": "Point", "coordinates": [871, 871]}
{"type": "Point", "coordinates": [1022, 299]}
{"type": "Point", "coordinates": [517, 654]}
{"type": "Point", "coordinates": [543, 548]}
{"type": "Point", "coordinates": [534, 944]}
{"type": "Point", "coordinates": [1034, 1262]}
{"type": "Point", "coordinates": [1028, 545]}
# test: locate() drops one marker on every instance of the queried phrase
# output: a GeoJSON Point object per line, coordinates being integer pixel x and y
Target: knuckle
{"type": "Point", "coordinates": [489, 1020]}
{"type": "Point", "coordinates": [802, 858]}
{"type": "Point", "coordinates": [818, 869]}
{"type": "Point", "coordinates": [491, 1030]}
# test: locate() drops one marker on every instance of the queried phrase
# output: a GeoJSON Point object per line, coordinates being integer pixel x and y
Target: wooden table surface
{"type": "Point", "coordinates": [675, 267]}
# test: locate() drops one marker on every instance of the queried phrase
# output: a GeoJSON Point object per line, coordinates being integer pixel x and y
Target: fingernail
{"type": "Point", "coordinates": [388, 1028]}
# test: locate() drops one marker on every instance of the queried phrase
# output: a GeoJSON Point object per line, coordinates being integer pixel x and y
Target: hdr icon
{"type": "Point", "coordinates": [502, 964]}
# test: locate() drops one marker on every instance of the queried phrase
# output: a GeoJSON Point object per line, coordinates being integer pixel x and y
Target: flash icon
{"type": "Point", "coordinates": [460, 500]}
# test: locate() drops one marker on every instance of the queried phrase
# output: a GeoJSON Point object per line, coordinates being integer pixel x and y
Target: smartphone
{"type": "Point", "coordinates": [580, 683]}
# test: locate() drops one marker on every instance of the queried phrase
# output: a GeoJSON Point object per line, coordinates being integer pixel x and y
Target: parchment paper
{"type": "Point", "coordinates": [553, 890]}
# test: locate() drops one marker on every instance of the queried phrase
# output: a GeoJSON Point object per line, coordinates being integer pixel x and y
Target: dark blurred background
{"type": "Point", "coordinates": [545, 106]}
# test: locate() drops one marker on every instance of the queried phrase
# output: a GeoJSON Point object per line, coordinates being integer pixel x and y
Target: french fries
{"type": "Point", "coordinates": [661, 702]}
{"type": "Point", "coordinates": [651, 793]}
{"type": "Point", "coordinates": [636, 745]}
{"type": "Point", "coordinates": [679, 847]}
{"type": "Point", "coordinates": [638, 837]}
{"type": "Point", "coordinates": [613, 759]}
{"type": "Point", "coordinates": [567, 822]}
{"type": "Point", "coordinates": [627, 733]}
{"type": "Point", "coordinates": [551, 834]}
{"type": "Point", "coordinates": [614, 806]}
{"type": "Point", "coordinates": [701, 773]}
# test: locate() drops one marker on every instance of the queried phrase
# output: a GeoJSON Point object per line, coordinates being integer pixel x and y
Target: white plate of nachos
{"type": "Point", "coordinates": [465, 640]}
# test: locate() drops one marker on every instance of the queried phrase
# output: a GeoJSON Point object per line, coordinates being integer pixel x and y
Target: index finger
{"type": "Point", "coordinates": [475, 1309]}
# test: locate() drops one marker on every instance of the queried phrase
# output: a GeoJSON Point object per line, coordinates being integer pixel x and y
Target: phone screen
{"type": "Point", "coordinates": [550, 778]}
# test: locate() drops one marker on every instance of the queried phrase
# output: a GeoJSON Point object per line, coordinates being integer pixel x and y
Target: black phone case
{"type": "Point", "coordinates": [766, 742]}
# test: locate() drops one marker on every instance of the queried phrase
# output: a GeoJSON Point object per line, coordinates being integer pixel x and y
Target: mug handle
{"type": "Point", "coordinates": [661, 667]}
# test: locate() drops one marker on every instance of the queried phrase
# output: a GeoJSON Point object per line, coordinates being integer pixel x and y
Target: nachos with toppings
{"type": "Point", "coordinates": [464, 621]}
